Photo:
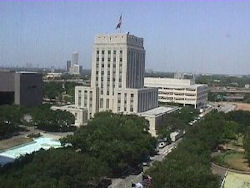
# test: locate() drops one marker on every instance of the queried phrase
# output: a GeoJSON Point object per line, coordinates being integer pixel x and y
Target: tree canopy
{"type": "Point", "coordinates": [62, 168]}
{"type": "Point", "coordinates": [120, 140]}
{"type": "Point", "coordinates": [110, 146]}
{"type": "Point", "coordinates": [189, 164]}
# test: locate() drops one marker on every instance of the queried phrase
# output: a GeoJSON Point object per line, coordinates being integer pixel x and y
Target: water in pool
{"type": "Point", "coordinates": [13, 153]}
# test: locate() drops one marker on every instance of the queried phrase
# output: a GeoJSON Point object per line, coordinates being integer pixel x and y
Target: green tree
{"type": "Point", "coordinates": [120, 140]}
{"type": "Point", "coordinates": [53, 120]}
{"type": "Point", "coordinates": [246, 144]}
{"type": "Point", "coordinates": [54, 168]}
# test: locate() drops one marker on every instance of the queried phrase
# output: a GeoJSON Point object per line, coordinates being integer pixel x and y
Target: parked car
{"type": "Point", "coordinates": [162, 145]}
{"type": "Point", "coordinates": [146, 161]}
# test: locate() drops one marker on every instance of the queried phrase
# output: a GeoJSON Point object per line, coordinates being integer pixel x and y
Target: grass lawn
{"type": "Point", "coordinates": [235, 180]}
{"type": "Point", "coordinates": [236, 160]}
{"type": "Point", "coordinates": [9, 143]}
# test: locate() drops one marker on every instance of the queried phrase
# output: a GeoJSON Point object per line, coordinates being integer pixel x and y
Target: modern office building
{"type": "Point", "coordinates": [117, 78]}
{"type": "Point", "coordinates": [72, 66]}
{"type": "Point", "coordinates": [21, 88]}
{"type": "Point", "coordinates": [180, 91]}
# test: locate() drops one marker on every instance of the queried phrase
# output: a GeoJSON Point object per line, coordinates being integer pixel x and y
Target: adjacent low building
{"type": "Point", "coordinates": [180, 91]}
{"type": "Point", "coordinates": [157, 117]}
{"type": "Point", "coordinates": [20, 88]}
{"type": "Point", "coordinates": [81, 115]}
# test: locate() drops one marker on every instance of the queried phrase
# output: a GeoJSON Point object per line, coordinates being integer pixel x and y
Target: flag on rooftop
{"type": "Point", "coordinates": [120, 23]}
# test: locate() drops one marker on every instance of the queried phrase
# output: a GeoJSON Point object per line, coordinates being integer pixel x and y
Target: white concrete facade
{"type": "Point", "coordinates": [181, 91]}
{"type": "Point", "coordinates": [157, 117]}
{"type": "Point", "coordinates": [117, 77]}
{"type": "Point", "coordinates": [81, 115]}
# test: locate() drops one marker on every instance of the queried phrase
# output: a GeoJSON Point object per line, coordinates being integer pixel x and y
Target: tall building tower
{"type": "Point", "coordinates": [74, 59]}
{"type": "Point", "coordinates": [68, 65]}
{"type": "Point", "coordinates": [74, 67]}
{"type": "Point", "coordinates": [117, 78]}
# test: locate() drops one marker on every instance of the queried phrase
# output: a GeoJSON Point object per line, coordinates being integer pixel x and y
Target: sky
{"type": "Point", "coordinates": [179, 36]}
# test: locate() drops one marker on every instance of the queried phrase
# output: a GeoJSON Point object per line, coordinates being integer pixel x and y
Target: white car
{"type": "Point", "coordinates": [162, 145]}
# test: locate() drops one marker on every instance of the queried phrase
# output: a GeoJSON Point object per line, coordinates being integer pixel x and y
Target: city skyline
{"type": "Point", "coordinates": [198, 37]}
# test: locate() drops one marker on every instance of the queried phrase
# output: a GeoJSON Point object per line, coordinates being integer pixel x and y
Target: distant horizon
{"type": "Point", "coordinates": [146, 70]}
{"type": "Point", "coordinates": [195, 36]}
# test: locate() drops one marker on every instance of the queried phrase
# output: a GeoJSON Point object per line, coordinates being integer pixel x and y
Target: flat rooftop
{"type": "Point", "coordinates": [159, 110]}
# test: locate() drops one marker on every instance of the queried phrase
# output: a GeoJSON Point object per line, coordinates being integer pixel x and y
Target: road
{"type": "Point", "coordinates": [127, 182]}
{"type": "Point", "coordinates": [224, 106]}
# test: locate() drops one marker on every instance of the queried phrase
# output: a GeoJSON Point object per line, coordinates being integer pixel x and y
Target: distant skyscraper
{"type": "Point", "coordinates": [72, 66]}
{"type": "Point", "coordinates": [68, 65]}
{"type": "Point", "coordinates": [74, 59]}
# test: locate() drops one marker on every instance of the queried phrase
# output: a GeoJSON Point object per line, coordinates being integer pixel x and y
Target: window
{"type": "Point", "coordinates": [107, 103]}
{"type": "Point", "coordinates": [108, 59]}
{"type": "Point", "coordinates": [102, 59]}
{"type": "Point", "coordinates": [97, 59]}
{"type": "Point", "coordinates": [102, 65]}
{"type": "Point", "coordinates": [97, 52]}
{"type": "Point", "coordinates": [108, 65]}
{"type": "Point", "coordinates": [120, 59]}
{"type": "Point", "coordinates": [114, 59]}
{"type": "Point", "coordinates": [103, 52]}
{"type": "Point", "coordinates": [109, 51]}
{"type": "Point", "coordinates": [101, 102]}
{"type": "Point", "coordinates": [114, 52]}
{"type": "Point", "coordinates": [79, 101]}
{"type": "Point", "coordinates": [120, 51]}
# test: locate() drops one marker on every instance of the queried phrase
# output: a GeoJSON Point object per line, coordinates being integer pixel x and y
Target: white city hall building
{"type": "Point", "coordinates": [180, 91]}
{"type": "Point", "coordinates": [117, 83]}
{"type": "Point", "coordinates": [117, 78]}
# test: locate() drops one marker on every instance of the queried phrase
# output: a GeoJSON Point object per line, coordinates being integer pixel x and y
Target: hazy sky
{"type": "Point", "coordinates": [183, 36]}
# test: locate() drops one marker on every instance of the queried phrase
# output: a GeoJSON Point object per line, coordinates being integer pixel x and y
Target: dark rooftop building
{"type": "Point", "coordinates": [21, 88]}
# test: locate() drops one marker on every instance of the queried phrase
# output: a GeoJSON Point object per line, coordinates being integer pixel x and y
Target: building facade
{"type": "Point", "coordinates": [21, 88]}
{"type": "Point", "coordinates": [72, 66]}
{"type": "Point", "coordinates": [117, 77]}
{"type": "Point", "coordinates": [180, 91]}
{"type": "Point", "coordinates": [81, 115]}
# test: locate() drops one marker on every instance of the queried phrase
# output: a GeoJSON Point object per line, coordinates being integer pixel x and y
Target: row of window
{"type": "Point", "coordinates": [108, 65]}
{"type": "Point", "coordinates": [109, 52]}
{"type": "Point", "coordinates": [109, 59]}
{"type": "Point", "coordinates": [177, 89]}
{"type": "Point", "coordinates": [178, 94]}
